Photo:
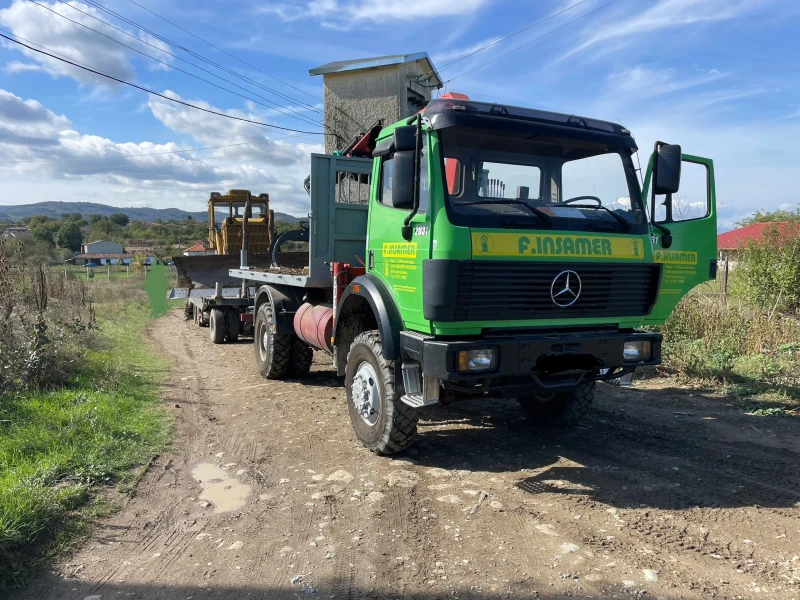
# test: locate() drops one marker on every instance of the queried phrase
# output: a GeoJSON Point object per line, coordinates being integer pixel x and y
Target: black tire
{"type": "Point", "coordinates": [273, 350]}
{"type": "Point", "coordinates": [232, 325]}
{"type": "Point", "coordinates": [218, 326]}
{"type": "Point", "coordinates": [200, 317]}
{"type": "Point", "coordinates": [395, 425]}
{"type": "Point", "coordinates": [561, 409]}
{"type": "Point", "coordinates": [302, 357]}
{"type": "Point", "coordinates": [188, 311]}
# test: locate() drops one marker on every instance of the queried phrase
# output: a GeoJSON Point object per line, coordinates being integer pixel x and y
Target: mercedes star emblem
{"type": "Point", "coordinates": [565, 289]}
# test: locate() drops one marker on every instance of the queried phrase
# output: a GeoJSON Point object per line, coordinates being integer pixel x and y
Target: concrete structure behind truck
{"type": "Point", "coordinates": [359, 92]}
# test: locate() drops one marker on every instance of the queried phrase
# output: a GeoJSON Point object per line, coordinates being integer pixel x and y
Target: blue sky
{"type": "Point", "coordinates": [719, 77]}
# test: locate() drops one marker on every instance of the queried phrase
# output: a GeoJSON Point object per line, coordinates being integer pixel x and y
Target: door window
{"type": "Point", "coordinates": [692, 199]}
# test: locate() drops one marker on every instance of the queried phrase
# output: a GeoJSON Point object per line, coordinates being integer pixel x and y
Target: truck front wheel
{"type": "Point", "coordinates": [561, 408]}
{"type": "Point", "coordinates": [381, 421]}
{"type": "Point", "coordinates": [273, 350]}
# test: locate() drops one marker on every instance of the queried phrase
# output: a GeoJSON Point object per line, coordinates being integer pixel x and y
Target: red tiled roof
{"type": "Point", "coordinates": [739, 238]}
{"type": "Point", "coordinates": [196, 248]}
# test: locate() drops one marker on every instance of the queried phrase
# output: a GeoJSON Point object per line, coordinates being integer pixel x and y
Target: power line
{"type": "Point", "coordinates": [219, 49]}
{"type": "Point", "coordinates": [200, 57]}
{"type": "Point", "coordinates": [531, 41]}
{"type": "Point", "coordinates": [144, 89]}
{"type": "Point", "coordinates": [511, 33]}
{"type": "Point", "coordinates": [270, 104]}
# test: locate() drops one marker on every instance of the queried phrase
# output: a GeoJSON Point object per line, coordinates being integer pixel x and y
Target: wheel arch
{"type": "Point", "coordinates": [366, 304]}
{"type": "Point", "coordinates": [285, 301]}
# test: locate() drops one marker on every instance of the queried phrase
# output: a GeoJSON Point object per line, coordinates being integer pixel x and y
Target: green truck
{"type": "Point", "coordinates": [479, 250]}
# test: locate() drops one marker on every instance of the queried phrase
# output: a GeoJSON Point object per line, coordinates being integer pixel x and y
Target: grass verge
{"type": "Point", "coordinates": [59, 449]}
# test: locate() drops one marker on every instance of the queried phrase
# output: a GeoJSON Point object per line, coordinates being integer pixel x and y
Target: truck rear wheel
{"type": "Point", "coordinates": [232, 325]}
{"type": "Point", "coordinates": [381, 421]}
{"type": "Point", "coordinates": [217, 326]}
{"type": "Point", "coordinates": [302, 357]}
{"type": "Point", "coordinates": [273, 350]}
{"type": "Point", "coordinates": [561, 408]}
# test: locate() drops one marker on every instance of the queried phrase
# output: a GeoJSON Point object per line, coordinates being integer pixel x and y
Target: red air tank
{"type": "Point", "coordinates": [313, 323]}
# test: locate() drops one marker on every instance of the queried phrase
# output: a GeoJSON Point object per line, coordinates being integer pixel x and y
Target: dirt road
{"type": "Point", "coordinates": [267, 494]}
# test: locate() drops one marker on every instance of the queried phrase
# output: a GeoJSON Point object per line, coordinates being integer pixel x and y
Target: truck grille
{"type": "Point", "coordinates": [490, 290]}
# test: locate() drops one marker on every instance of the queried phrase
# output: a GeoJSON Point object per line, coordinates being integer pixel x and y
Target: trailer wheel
{"type": "Point", "coordinates": [273, 350]}
{"type": "Point", "coordinates": [232, 325]}
{"type": "Point", "coordinates": [562, 408]}
{"type": "Point", "coordinates": [217, 326]}
{"type": "Point", "coordinates": [188, 311]}
{"type": "Point", "coordinates": [382, 422]}
{"type": "Point", "coordinates": [302, 357]}
{"type": "Point", "coordinates": [200, 317]}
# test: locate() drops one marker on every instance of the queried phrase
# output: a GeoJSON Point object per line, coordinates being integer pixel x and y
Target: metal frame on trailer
{"type": "Point", "coordinates": [338, 229]}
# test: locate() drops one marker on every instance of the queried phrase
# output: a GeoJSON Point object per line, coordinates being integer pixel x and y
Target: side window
{"type": "Point", "coordinates": [387, 173]}
{"type": "Point", "coordinates": [454, 173]}
{"type": "Point", "coordinates": [387, 169]}
{"type": "Point", "coordinates": [691, 201]}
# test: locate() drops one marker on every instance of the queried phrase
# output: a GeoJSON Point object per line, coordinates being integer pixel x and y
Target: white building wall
{"type": "Point", "coordinates": [103, 247]}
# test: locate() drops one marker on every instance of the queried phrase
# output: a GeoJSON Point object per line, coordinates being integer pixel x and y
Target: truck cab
{"type": "Point", "coordinates": [523, 254]}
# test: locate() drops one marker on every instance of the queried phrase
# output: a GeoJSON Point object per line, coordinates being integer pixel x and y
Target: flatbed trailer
{"type": "Point", "coordinates": [226, 311]}
{"type": "Point", "coordinates": [452, 265]}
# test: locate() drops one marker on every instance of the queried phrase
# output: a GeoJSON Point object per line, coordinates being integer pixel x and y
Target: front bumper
{"type": "Point", "coordinates": [532, 362]}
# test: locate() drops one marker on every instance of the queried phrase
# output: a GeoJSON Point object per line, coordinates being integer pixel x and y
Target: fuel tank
{"type": "Point", "coordinates": [313, 323]}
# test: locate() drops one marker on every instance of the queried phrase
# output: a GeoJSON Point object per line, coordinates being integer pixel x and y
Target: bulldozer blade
{"type": "Point", "coordinates": [208, 270]}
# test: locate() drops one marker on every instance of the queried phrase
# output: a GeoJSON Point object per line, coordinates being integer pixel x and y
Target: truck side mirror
{"type": "Point", "coordinates": [667, 169]}
{"type": "Point", "coordinates": [405, 139]}
{"type": "Point", "coordinates": [403, 179]}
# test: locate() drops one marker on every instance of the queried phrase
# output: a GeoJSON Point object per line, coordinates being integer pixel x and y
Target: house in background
{"type": "Point", "coordinates": [16, 233]}
{"type": "Point", "coordinates": [197, 250]}
{"type": "Point", "coordinates": [102, 247]}
{"type": "Point", "coordinates": [731, 243]}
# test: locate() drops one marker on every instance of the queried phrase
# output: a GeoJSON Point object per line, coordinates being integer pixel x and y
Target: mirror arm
{"type": "Point", "coordinates": [666, 239]}
{"type": "Point", "coordinates": [406, 229]}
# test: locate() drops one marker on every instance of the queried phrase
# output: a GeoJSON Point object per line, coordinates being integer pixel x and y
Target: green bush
{"type": "Point", "coordinates": [731, 341]}
{"type": "Point", "coordinates": [768, 272]}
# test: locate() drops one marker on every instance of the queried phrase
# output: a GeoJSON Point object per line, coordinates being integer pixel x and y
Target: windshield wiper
{"type": "Point", "coordinates": [619, 219]}
{"type": "Point", "coordinates": [542, 216]}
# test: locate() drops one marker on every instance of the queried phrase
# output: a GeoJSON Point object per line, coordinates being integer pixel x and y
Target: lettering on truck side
{"type": "Point", "coordinates": [399, 250]}
{"type": "Point", "coordinates": [509, 244]}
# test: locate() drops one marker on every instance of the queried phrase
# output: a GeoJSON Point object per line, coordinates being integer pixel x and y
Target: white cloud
{"type": "Point", "coordinates": [617, 33]}
{"type": "Point", "coordinates": [346, 13]}
{"type": "Point", "coordinates": [76, 43]}
{"type": "Point", "coordinates": [37, 144]}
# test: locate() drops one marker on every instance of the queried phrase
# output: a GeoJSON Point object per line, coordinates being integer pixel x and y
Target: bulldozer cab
{"type": "Point", "coordinates": [226, 213]}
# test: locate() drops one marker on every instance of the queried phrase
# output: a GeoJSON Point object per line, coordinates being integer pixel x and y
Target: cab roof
{"type": "Point", "coordinates": [448, 112]}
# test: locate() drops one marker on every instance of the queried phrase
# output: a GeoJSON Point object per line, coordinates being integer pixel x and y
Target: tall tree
{"type": "Point", "coordinates": [70, 236]}
{"type": "Point", "coordinates": [120, 219]}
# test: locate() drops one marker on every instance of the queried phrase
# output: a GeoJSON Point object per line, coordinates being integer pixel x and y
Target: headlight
{"type": "Point", "coordinates": [484, 359]}
{"type": "Point", "coordinates": [637, 351]}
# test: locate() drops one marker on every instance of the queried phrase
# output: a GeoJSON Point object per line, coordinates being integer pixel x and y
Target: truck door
{"type": "Point", "coordinates": [691, 219]}
{"type": "Point", "coordinates": [391, 258]}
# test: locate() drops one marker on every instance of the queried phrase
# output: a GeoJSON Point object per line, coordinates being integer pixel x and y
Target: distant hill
{"type": "Point", "coordinates": [56, 209]}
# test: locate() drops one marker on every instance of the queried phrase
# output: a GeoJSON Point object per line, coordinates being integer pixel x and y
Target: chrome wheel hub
{"type": "Point", "coordinates": [365, 394]}
{"type": "Point", "coordinates": [263, 343]}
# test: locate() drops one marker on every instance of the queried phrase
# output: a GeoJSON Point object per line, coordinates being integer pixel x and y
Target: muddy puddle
{"type": "Point", "coordinates": [220, 488]}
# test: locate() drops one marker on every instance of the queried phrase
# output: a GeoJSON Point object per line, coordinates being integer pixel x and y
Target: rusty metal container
{"type": "Point", "coordinates": [313, 323]}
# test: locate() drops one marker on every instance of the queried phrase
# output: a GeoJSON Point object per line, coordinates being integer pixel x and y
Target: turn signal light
{"type": "Point", "coordinates": [637, 350]}
{"type": "Point", "coordinates": [484, 359]}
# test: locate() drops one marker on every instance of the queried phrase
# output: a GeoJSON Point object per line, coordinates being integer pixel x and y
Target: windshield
{"type": "Point", "coordinates": [544, 182]}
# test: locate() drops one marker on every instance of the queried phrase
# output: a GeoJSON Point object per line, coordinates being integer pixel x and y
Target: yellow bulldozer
{"type": "Point", "coordinates": [226, 215]}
